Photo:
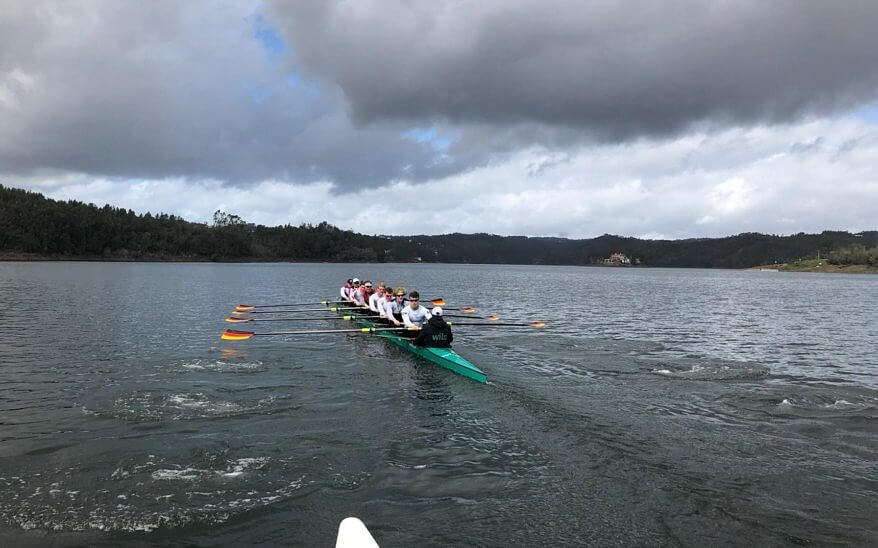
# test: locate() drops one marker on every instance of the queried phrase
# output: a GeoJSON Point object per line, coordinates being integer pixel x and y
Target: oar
{"type": "Point", "coordinates": [235, 319]}
{"type": "Point", "coordinates": [233, 335]}
{"type": "Point", "coordinates": [243, 307]}
{"type": "Point", "coordinates": [435, 302]}
{"type": "Point", "coordinates": [530, 324]}
{"type": "Point", "coordinates": [464, 309]}
{"type": "Point", "coordinates": [296, 311]}
{"type": "Point", "coordinates": [492, 317]}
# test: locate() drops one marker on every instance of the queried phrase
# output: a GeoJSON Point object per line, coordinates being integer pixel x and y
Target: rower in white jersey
{"type": "Point", "coordinates": [355, 295]}
{"type": "Point", "coordinates": [345, 289]}
{"type": "Point", "coordinates": [353, 286]}
{"type": "Point", "coordinates": [393, 308]}
{"type": "Point", "coordinates": [374, 300]}
{"type": "Point", "coordinates": [382, 302]}
{"type": "Point", "coordinates": [415, 315]}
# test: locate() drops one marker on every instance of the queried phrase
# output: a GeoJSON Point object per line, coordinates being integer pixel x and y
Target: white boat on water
{"type": "Point", "coordinates": [352, 533]}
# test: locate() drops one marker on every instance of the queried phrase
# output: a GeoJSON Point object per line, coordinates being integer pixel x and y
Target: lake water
{"type": "Point", "coordinates": [657, 408]}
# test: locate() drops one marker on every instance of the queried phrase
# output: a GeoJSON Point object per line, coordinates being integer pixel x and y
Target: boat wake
{"type": "Point", "coordinates": [704, 369]}
{"type": "Point", "coordinates": [159, 405]}
{"type": "Point", "coordinates": [215, 365]}
{"type": "Point", "coordinates": [145, 493]}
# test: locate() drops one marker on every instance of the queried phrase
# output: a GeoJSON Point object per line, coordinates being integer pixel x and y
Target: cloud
{"type": "Point", "coordinates": [778, 179]}
{"type": "Point", "coordinates": [681, 118]}
{"type": "Point", "coordinates": [611, 70]}
{"type": "Point", "coordinates": [363, 94]}
{"type": "Point", "coordinates": [164, 89]}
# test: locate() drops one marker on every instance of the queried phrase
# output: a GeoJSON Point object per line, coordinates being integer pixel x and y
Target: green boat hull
{"type": "Point", "coordinates": [443, 357]}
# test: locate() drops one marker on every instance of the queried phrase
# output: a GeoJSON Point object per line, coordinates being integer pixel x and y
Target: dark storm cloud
{"type": "Point", "coordinates": [163, 89]}
{"type": "Point", "coordinates": [362, 93]}
{"type": "Point", "coordinates": [614, 70]}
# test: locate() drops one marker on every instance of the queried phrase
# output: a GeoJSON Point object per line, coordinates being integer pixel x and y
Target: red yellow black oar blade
{"type": "Point", "coordinates": [234, 319]}
{"type": "Point", "coordinates": [538, 324]}
{"type": "Point", "coordinates": [244, 307]}
{"type": "Point", "coordinates": [468, 310]}
{"type": "Point", "coordinates": [492, 317]}
{"type": "Point", "coordinates": [232, 335]}
{"type": "Point", "coordinates": [438, 302]}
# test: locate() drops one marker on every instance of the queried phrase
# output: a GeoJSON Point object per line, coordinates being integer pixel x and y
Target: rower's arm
{"type": "Point", "coordinates": [388, 312]}
{"type": "Point", "coordinates": [405, 317]}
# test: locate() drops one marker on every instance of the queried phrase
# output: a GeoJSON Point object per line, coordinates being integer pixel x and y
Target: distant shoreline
{"type": "Point", "coordinates": [822, 267]}
{"type": "Point", "coordinates": [808, 266]}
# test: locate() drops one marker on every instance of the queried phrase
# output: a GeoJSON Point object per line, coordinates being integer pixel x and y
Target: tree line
{"type": "Point", "coordinates": [854, 254]}
{"type": "Point", "coordinates": [32, 225]}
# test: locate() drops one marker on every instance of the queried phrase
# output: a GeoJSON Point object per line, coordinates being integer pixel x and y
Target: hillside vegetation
{"type": "Point", "coordinates": [33, 227]}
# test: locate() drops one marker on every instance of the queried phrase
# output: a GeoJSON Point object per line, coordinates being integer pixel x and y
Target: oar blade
{"type": "Point", "coordinates": [235, 319]}
{"type": "Point", "coordinates": [438, 302]}
{"type": "Point", "coordinates": [244, 307]}
{"type": "Point", "coordinates": [538, 324]}
{"type": "Point", "coordinates": [233, 335]}
{"type": "Point", "coordinates": [468, 310]}
{"type": "Point", "coordinates": [492, 317]}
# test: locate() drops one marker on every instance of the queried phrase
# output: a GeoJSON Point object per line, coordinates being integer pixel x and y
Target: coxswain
{"type": "Point", "coordinates": [436, 332]}
{"type": "Point", "coordinates": [415, 315]}
{"type": "Point", "coordinates": [393, 308]}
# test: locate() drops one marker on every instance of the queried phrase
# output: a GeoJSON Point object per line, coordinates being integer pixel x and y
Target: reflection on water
{"type": "Point", "coordinates": [659, 407]}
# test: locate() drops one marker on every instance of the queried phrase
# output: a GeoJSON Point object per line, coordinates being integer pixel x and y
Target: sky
{"type": "Point", "coordinates": [673, 119]}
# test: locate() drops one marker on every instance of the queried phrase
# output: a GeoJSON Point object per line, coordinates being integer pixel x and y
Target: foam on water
{"type": "Point", "coordinates": [151, 406]}
{"type": "Point", "coordinates": [704, 369]}
{"type": "Point", "coordinates": [146, 494]}
{"type": "Point", "coordinates": [218, 365]}
{"type": "Point", "coordinates": [829, 402]}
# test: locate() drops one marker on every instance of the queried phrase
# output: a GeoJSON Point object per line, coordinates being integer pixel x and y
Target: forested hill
{"type": "Point", "coordinates": [32, 226]}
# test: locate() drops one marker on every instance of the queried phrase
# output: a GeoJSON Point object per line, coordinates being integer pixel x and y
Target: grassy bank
{"type": "Point", "coordinates": [821, 265]}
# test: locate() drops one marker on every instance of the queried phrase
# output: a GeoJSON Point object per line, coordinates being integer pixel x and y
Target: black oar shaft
{"type": "Point", "coordinates": [320, 318]}
{"type": "Point", "coordinates": [317, 331]}
{"type": "Point", "coordinates": [495, 324]}
{"type": "Point", "coordinates": [279, 305]}
{"type": "Point", "coordinates": [296, 311]}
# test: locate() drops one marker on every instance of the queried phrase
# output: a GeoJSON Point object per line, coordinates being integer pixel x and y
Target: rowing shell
{"type": "Point", "coordinates": [443, 357]}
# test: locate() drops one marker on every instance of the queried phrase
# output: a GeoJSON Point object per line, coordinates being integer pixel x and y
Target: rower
{"type": "Point", "coordinates": [355, 284]}
{"type": "Point", "coordinates": [345, 289]}
{"type": "Point", "coordinates": [393, 309]}
{"type": "Point", "coordinates": [366, 290]}
{"type": "Point", "coordinates": [388, 297]}
{"type": "Point", "coordinates": [374, 299]}
{"type": "Point", "coordinates": [436, 332]}
{"type": "Point", "coordinates": [415, 315]}
{"type": "Point", "coordinates": [355, 295]}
